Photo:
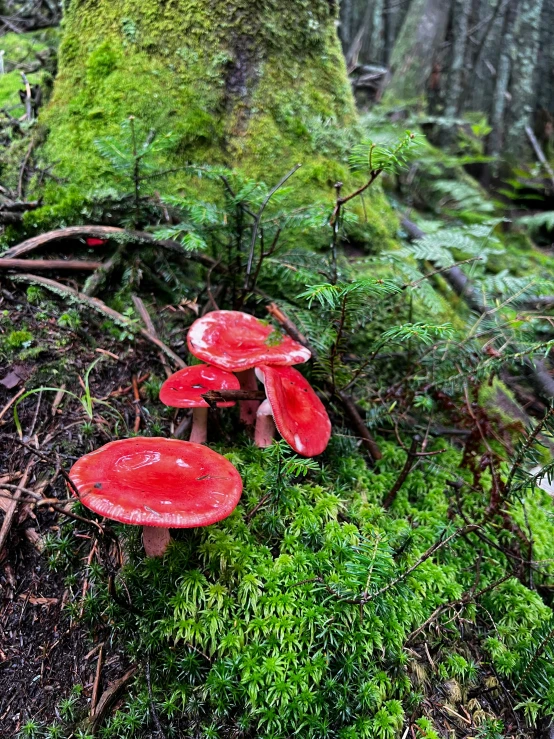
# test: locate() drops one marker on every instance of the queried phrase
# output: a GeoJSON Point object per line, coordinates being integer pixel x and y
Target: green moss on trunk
{"type": "Point", "coordinates": [234, 82]}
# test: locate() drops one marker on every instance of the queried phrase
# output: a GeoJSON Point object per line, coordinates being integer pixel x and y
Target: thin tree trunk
{"type": "Point", "coordinates": [455, 88]}
{"type": "Point", "coordinates": [422, 32]}
{"type": "Point", "coordinates": [376, 39]}
{"type": "Point", "coordinates": [526, 48]}
{"type": "Point", "coordinates": [500, 97]}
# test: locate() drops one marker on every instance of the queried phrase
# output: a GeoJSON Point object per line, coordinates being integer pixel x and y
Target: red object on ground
{"type": "Point", "coordinates": [93, 241]}
{"type": "Point", "coordinates": [157, 482]}
{"type": "Point", "coordinates": [299, 414]}
{"type": "Point", "coordinates": [237, 341]}
{"type": "Point", "coordinates": [185, 388]}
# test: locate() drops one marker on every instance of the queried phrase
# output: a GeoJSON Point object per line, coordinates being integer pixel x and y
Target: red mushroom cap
{"type": "Point", "coordinates": [185, 388]}
{"type": "Point", "coordinates": [94, 241]}
{"type": "Point", "coordinates": [299, 414]}
{"type": "Point", "coordinates": [237, 341]}
{"type": "Point", "coordinates": [158, 482]}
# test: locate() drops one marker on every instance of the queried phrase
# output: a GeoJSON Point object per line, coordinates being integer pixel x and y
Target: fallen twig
{"type": "Point", "coordinates": [149, 323]}
{"type": "Point", "coordinates": [95, 687]}
{"type": "Point", "coordinates": [10, 512]}
{"type": "Point", "coordinates": [408, 464]}
{"type": "Point", "coordinates": [539, 152]}
{"type": "Point", "coordinates": [108, 698]}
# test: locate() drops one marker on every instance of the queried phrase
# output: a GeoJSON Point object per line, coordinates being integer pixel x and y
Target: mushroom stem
{"type": "Point", "coordinates": [155, 540]}
{"type": "Point", "coordinates": [199, 431]}
{"type": "Point", "coordinates": [265, 426]}
{"type": "Point", "coordinates": [248, 408]}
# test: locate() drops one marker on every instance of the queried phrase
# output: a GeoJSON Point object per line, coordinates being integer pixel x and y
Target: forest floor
{"type": "Point", "coordinates": [48, 655]}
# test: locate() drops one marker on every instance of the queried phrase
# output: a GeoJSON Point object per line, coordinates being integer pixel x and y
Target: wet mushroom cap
{"type": "Point", "coordinates": [299, 414]}
{"type": "Point", "coordinates": [157, 482]}
{"type": "Point", "coordinates": [237, 341]}
{"type": "Point", "coordinates": [185, 388]}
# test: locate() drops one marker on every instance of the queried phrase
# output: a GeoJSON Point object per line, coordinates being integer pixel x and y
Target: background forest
{"type": "Point", "coordinates": [376, 182]}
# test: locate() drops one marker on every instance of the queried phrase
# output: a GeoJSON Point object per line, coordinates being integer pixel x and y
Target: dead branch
{"type": "Point", "coordinates": [12, 507]}
{"type": "Point", "coordinates": [539, 152]}
{"type": "Point", "coordinates": [107, 232]}
{"type": "Point", "coordinates": [408, 464]}
{"type": "Point", "coordinates": [74, 265]}
{"type": "Point", "coordinates": [107, 700]}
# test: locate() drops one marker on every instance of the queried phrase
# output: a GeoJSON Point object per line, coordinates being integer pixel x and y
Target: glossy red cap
{"type": "Point", "coordinates": [237, 341]}
{"type": "Point", "coordinates": [157, 482]}
{"type": "Point", "coordinates": [185, 388]}
{"type": "Point", "coordinates": [299, 414]}
{"type": "Point", "coordinates": [93, 241]}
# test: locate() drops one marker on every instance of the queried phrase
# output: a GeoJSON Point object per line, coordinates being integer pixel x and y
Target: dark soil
{"type": "Point", "coordinates": [47, 652]}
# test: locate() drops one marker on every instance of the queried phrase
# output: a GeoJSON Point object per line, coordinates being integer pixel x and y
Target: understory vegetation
{"type": "Point", "coordinates": [399, 585]}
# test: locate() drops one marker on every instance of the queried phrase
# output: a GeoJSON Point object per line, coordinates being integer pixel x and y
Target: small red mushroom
{"type": "Point", "coordinates": [299, 414]}
{"type": "Point", "coordinates": [157, 484]}
{"type": "Point", "coordinates": [238, 342]}
{"type": "Point", "coordinates": [93, 241]}
{"type": "Point", "coordinates": [185, 388]}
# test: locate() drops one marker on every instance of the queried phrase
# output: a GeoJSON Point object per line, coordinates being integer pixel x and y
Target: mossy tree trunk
{"type": "Point", "coordinates": [235, 82]}
{"type": "Point", "coordinates": [422, 32]}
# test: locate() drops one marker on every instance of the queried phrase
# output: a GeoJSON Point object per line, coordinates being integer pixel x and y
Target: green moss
{"type": "Point", "coordinates": [18, 339]}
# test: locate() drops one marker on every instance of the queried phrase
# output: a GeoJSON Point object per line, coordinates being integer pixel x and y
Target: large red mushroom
{"type": "Point", "coordinates": [158, 484]}
{"type": "Point", "coordinates": [238, 342]}
{"type": "Point", "coordinates": [299, 415]}
{"type": "Point", "coordinates": [185, 388]}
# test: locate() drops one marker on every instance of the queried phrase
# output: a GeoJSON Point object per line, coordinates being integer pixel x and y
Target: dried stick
{"type": "Point", "coordinates": [219, 396]}
{"type": "Point", "coordinates": [408, 464]}
{"type": "Point", "coordinates": [95, 687]}
{"type": "Point", "coordinates": [107, 232]}
{"type": "Point", "coordinates": [136, 403]}
{"type": "Point", "coordinates": [539, 152]}
{"type": "Point", "coordinates": [359, 426]}
{"type": "Point", "coordinates": [107, 700]}
{"type": "Point", "coordinates": [73, 265]}
{"type": "Point", "coordinates": [12, 506]}
{"type": "Point", "coordinates": [10, 402]}
{"type": "Point", "coordinates": [281, 317]}
{"type": "Point", "coordinates": [101, 307]}
{"type": "Point", "coordinates": [148, 322]}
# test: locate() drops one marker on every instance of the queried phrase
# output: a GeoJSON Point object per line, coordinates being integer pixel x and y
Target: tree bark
{"type": "Point", "coordinates": [422, 32]}
{"type": "Point", "coordinates": [494, 142]}
{"type": "Point", "coordinates": [233, 82]}
{"type": "Point", "coordinates": [526, 49]}
{"type": "Point", "coordinates": [461, 11]}
{"type": "Point", "coordinates": [376, 38]}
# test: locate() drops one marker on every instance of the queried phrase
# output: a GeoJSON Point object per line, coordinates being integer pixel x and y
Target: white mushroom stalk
{"type": "Point", "coordinates": [265, 426]}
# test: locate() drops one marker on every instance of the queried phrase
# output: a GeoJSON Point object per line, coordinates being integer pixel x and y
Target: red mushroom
{"type": "Point", "coordinates": [185, 388]}
{"type": "Point", "coordinates": [299, 414]}
{"type": "Point", "coordinates": [238, 342]}
{"type": "Point", "coordinates": [157, 484]}
{"type": "Point", "coordinates": [93, 241]}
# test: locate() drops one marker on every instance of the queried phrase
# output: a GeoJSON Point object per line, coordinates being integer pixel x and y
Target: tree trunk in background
{"type": "Point", "coordinates": [461, 11]}
{"type": "Point", "coordinates": [376, 39]}
{"type": "Point", "coordinates": [234, 82]}
{"type": "Point", "coordinates": [494, 142]}
{"type": "Point", "coordinates": [526, 47]}
{"type": "Point", "coordinates": [422, 32]}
